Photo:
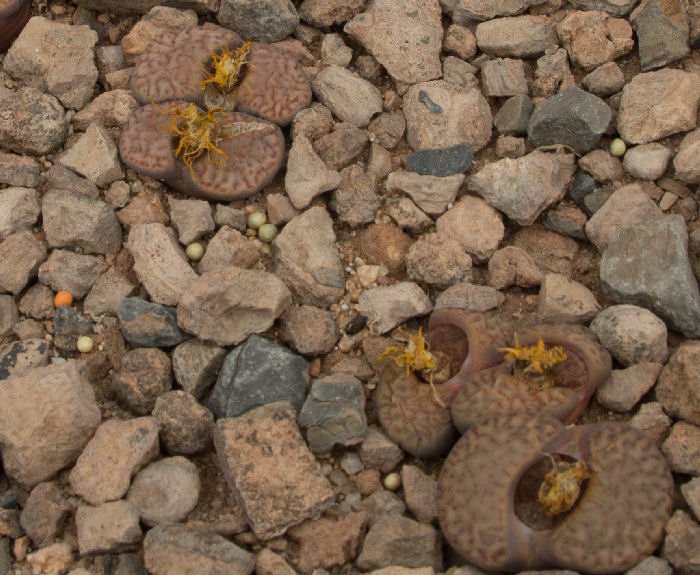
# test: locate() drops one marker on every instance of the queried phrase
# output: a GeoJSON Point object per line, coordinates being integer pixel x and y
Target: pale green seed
{"type": "Point", "coordinates": [618, 147]}
{"type": "Point", "coordinates": [265, 248]}
{"type": "Point", "coordinates": [256, 219]}
{"type": "Point", "coordinates": [85, 344]}
{"type": "Point", "coordinates": [392, 481]}
{"type": "Point", "coordinates": [195, 251]}
{"type": "Point", "coordinates": [267, 232]}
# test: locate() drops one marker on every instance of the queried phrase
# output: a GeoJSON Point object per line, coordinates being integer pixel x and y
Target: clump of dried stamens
{"type": "Point", "coordinates": [537, 358]}
{"type": "Point", "coordinates": [226, 68]}
{"type": "Point", "coordinates": [198, 131]}
{"type": "Point", "coordinates": [561, 487]}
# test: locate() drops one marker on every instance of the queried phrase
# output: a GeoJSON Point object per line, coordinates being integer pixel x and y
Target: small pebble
{"type": "Point", "coordinates": [618, 147]}
{"type": "Point", "coordinates": [195, 251]}
{"type": "Point", "coordinates": [85, 344]}
{"type": "Point", "coordinates": [392, 481]}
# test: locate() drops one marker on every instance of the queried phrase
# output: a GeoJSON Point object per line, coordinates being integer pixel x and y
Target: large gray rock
{"type": "Point", "coordinates": [259, 20]}
{"type": "Point", "coordinates": [662, 30]}
{"type": "Point", "coordinates": [31, 122]}
{"type": "Point", "coordinates": [647, 265]}
{"type": "Point", "coordinates": [572, 117]}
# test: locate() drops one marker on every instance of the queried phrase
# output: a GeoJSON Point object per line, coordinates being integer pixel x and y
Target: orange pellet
{"type": "Point", "coordinates": [63, 298]}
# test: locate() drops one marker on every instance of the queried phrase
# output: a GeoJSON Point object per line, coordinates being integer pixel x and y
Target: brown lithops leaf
{"type": "Point", "coordinates": [274, 86]}
{"type": "Point", "coordinates": [13, 16]}
{"type": "Point", "coordinates": [173, 66]}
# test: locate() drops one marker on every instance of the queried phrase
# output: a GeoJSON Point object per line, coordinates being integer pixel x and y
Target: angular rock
{"type": "Point", "coordinates": [334, 413]}
{"type": "Point", "coordinates": [146, 324]}
{"type": "Point", "coordinates": [355, 201]}
{"type": "Point", "coordinates": [552, 74]}
{"type": "Point", "coordinates": [108, 292]}
{"type": "Point", "coordinates": [74, 220]}
{"type": "Point", "coordinates": [307, 175]}
{"type": "Point", "coordinates": [421, 492]}
{"type": "Point", "coordinates": [440, 115]}
{"type": "Point", "coordinates": [602, 165]}
{"type": "Point", "coordinates": [309, 330]}
{"type": "Point", "coordinates": [69, 325]}
{"type": "Point", "coordinates": [387, 129]}
{"type": "Point", "coordinates": [406, 214]}
{"type": "Point", "coordinates": [475, 225]}
{"type": "Point", "coordinates": [441, 162]}
{"type": "Point", "coordinates": [350, 98]}
{"type": "Point", "coordinates": [192, 219]}
{"type": "Point", "coordinates": [32, 122]}
{"type": "Point", "coordinates": [94, 156]}
{"type": "Point", "coordinates": [563, 300]}
{"type": "Point", "coordinates": [681, 543]}
{"type": "Point", "coordinates": [678, 389]}
{"type": "Point", "coordinates": [466, 10]}
{"type": "Point", "coordinates": [626, 207]}
{"type": "Point", "coordinates": [514, 115]}
{"type": "Point", "coordinates": [227, 305]}
{"type": "Point", "coordinates": [648, 161]}
{"type": "Point", "coordinates": [662, 31]}
{"type": "Point", "coordinates": [21, 171]}
{"type": "Point", "coordinates": [259, 20]}
{"type": "Point", "coordinates": [144, 375]}
{"type": "Point", "coordinates": [65, 270]}
{"type": "Point", "coordinates": [44, 514]}
{"type": "Point", "coordinates": [228, 248]}
{"type": "Point", "coordinates": [438, 260]}
{"type": "Point", "coordinates": [47, 415]}
{"type": "Point", "coordinates": [431, 193]}
{"type": "Point", "coordinates": [256, 373]}
{"type": "Point", "coordinates": [307, 259]}
{"type": "Point", "coordinates": [110, 109]}
{"type": "Point", "coordinates": [343, 145]}
{"type": "Point", "coordinates": [523, 188]}
{"type": "Point", "coordinates": [322, 13]}
{"type": "Point", "coordinates": [55, 558]}
{"type": "Point", "coordinates": [647, 264]}
{"type": "Point", "coordinates": [625, 387]}
{"type": "Point", "coordinates": [265, 461]}
{"type": "Point", "coordinates": [513, 266]}
{"type": "Point", "coordinates": [517, 37]}
{"type": "Point", "coordinates": [658, 104]}
{"type": "Point", "coordinates": [687, 160]}
{"type": "Point", "coordinates": [159, 263]}
{"type": "Point", "coordinates": [397, 540]}
{"type": "Point", "coordinates": [108, 528]}
{"type": "Point", "coordinates": [691, 493]}
{"type": "Point", "coordinates": [651, 420]}
{"type": "Point", "coordinates": [503, 77]}
{"type": "Point", "coordinates": [631, 334]}
{"type": "Point", "coordinates": [604, 80]}
{"type": "Point", "coordinates": [8, 314]}
{"type": "Point", "coordinates": [405, 38]}
{"type": "Point", "coordinates": [64, 66]}
{"type": "Point", "coordinates": [270, 563]}
{"type": "Point", "coordinates": [387, 307]}
{"type": "Point", "coordinates": [115, 453]}
{"type": "Point", "coordinates": [573, 117]}
{"type": "Point", "coordinates": [21, 355]}
{"type": "Point", "coordinates": [37, 302]}
{"type": "Point", "coordinates": [552, 252]}
{"type": "Point", "coordinates": [165, 491]}
{"type": "Point", "coordinates": [186, 426]}
{"type": "Point", "coordinates": [383, 245]}
{"type": "Point", "coordinates": [470, 297]}
{"type": "Point", "coordinates": [19, 210]}
{"type": "Point", "coordinates": [193, 551]}
{"type": "Point", "coordinates": [567, 219]}
{"type": "Point", "coordinates": [682, 448]}
{"type": "Point", "coordinates": [196, 364]}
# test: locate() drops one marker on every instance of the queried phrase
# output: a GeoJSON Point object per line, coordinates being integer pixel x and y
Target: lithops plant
{"type": "Point", "coordinates": [14, 14]}
{"type": "Point", "coordinates": [213, 154]}
{"type": "Point", "coordinates": [553, 369]}
{"type": "Point", "coordinates": [525, 492]}
{"type": "Point", "coordinates": [213, 67]}
{"type": "Point", "coordinates": [415, 412]}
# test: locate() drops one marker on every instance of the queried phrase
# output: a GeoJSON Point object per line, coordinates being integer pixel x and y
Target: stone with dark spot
{"type": "Point", "coordinates": [19, 355]}
{"type": "Point", "coordinates": [145, 374]}
{"type": "Point", "coordinates": [441, 161]}
{"type": "Point", "coordinates": [69, 325]}
{"type": "Point", "coordinates": [147, 324]}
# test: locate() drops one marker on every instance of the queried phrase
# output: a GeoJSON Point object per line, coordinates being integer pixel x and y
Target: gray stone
{"type": "Point", "coordinates": [21, 171]}
{"type": "Point", "coordinates": [60, 178]}
{"type": "Point", "coordinates": [350, 98]}
{"type": "Point", "coordinates": [471, 297]}
{"type": "Point", "coordinates": [25, 354]}
{"type": "Point", "coordinates": [69, 325]}
{"type": "Point", "coordinates": [405, 38]}
{"type": "Point", "coordinates": [196, 364]}
{"type": "Point", "coordinates": [387, 129]}
{"type": "Point", "coordinates": [307, 175]}
{"type": "Point", "coordinates": [44, 514]}
{"type": "Point", "coordinates": [604, 80]}
{"type": "Point", "coordinates": [389, 306]}
{"type": "Point", "coordinates": [563, 300]}
{"type": "Point", "coordinates": [355, 202]}
{"type": "Point", "coordinates": [74, 220]}
{"type": "Point", "coordinates": [397, 540]}
{"type": "Point", "coordinates": [32, 122]}
{"type": "Point", "coordinates": [147, 324]}
{"type": "Point", "coordinates": [513, 117]}
{"type": "Point", "coordinates": [343, 145]}
{"type": "Point", "coordinates": [567, 219]}
{"type": "Point", "coordinates": [652, 565]}
{"type": "Point", "coordinates": [648, 161]}
{"type": "Point", "coordinates": [19, 210]}
{"type": "Point", "coordinates": [647, 264]}
{"type": "Point", "coordinates": [658, 104]}
{"type": "Point", "coordinates": [625, 387]}
{"type": "Point", "coordinates": [47, 415]}
{"type": "Point", "coordinates": [64, 66]}
{"type": "Point", "coordinates": [614, 7]}
{"type": "Point", "coordinates": [256, 373]}
{"type": "Point", "coordinates": [334, 51]}
{"type": "Point", "coordinates": [145, 374]}
{"type": "Point", "coordinates": [334, 413]}
{"type": "Point", "coordinates": [94, 156]}
{"type": "Point", "coordinates": [108, 528]}
{"type": "Point", "coordinates": [678, 389]}
{"type": "Point", "coordinates": [378, 452]}
{"type": "Point", "coordinates": [76, 273]}
{"type": "Point", "coordinates": [431, 193]}
{"type": "Point", "coordinates": [465, 11]}
{"type": "Point", "coordinates": [662, 32]}
{"type": "Point", "coordinates": [194, 551]}
{"type": "Point", "coordinates": [307, 259]}
{"type": "Point", "coordinates": [503, 77]}
{"type": "Point", "coordinates": [441, 162]}
{"type": "Point", "coordinates": [524, 187]}
{"type": "Point", "coordinates": [262, 21]}
{"type": "Point", "coordinates": [186, 426]}
{"type": "Point", "coordinates": [631, 334]}
{"type": "Point", "coordinates": [165, 491]}
{"type": "Point", "coordinates": [572, 117]}
{"type": "Point", "coordinates": [431, 109]}
{"type": "Point", "coordinates": [517, 36]}
{"type": "Point", "coordinates": [192, 219]}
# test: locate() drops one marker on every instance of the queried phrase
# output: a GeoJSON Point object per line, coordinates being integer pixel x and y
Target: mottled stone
{"type": "Point", "coordinates": [341, 146]}
{"type": "Point", "coordinates": [682, 448]}
{"type": "Point", "coordinates": [196, 364]}
{"type": "Point", "coordinates": [355, 201]}
{"type": "Point", "coordinates": [421, 492]}
{"type": "Point", "coordinates": [512, 265]}
{"type": "Point", "coordinates": [471, 297]}
{"type": "Point", "coordinates": [438, 260]}
{"type": "Point", "coordinates": [228, 248]}
{"type": "Point", "coordinates": [309, 330]}
{"type": "Point", "coordinates": [108, 292]}
{"type": "Point", "coordinates": [19, 210]}
{"type": "Point", "coordinates": [378, 452]}
{"type": "Point", "coordinates": [681, 543]}
{"type": "Point", "coordinates": [351, 98]}
{"type": "Point", "coordinates": [65, 270]}
{"type": "Point", "coordinates": [514, 115]}
{"type": "Point", "coordinates": [145, 374]}
{"type": "Point", "coordinates": [430, 193]}
{"type": "Point", "coordinates": [678, 389]}
{"type": "Point", "coordinates": [259, 20]}
{"type": "Point", "coordinates": [662, 32]}
{"type": "Point", "coordinates": [44, 514]}
{"type": "Point", "coordinates": [95, 156]}
{"type": "Point", "coordinates": [108, 528]}
{"type": "Point", "coordinates": [502, 77]}
{"type": "Point", "coordinates": [186, 426]}
{"type": "Point", "coordinates": [147, 324]}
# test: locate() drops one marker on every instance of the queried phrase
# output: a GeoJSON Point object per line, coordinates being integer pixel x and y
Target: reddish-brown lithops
{"type": "Point", "coordinates": [14, 14]}
{"type": "Point", "coordinates": [490, 513]}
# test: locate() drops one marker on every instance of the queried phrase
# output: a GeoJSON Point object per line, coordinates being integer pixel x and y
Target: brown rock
{"type": "Point", "coordinates": [602, 165]}
{"type": "Point", "coordinates": [266, 461]}
{"type": "Point", "coordinates": [563, 300]}
{"type": "Point", "coordinates": [228, 248]}
{"type": "Point", "coordinates": [143, 209]}
{"type": "Point", "coordinates": [21, 255]}
{"type": "Point", "coordinates": [44, 513]}
{"type": "Point", "coordinates": [682, 448]}
{"type": "Point", "coordinates": [652, 420]}
{"type": "Point", "coordinates": [420, 492]}
{"type": "Point", "coordinates": [186, 426]}
{"type": "Point", "coordinates": [309, 330]}
{"type": "Point", "coordinates": [269, 563]}
{"type": "Point", "coordinates": [108, 528]}
{"type": "Point", "coordinates": [438, 260]}
{"type": "Point", "coordinates": [145, 374]}
{"type": "Point", "coordinates": [551, 251]}
{"type": "Point", "coordinates": [513, 266]}
{"type": "Point", "coordinates": [682, 543]}
{"type": "Point", "coordinates": [377, 451]}
{"type": "Point", "coordinates": [384, 244]}
{"type": "Point", "coordinates": [678, 389]}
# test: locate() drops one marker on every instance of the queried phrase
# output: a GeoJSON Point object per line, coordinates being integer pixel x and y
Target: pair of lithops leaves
{"type": "Point", "coordinates": [14, 14]}
{"type": "Point", "coordinates": [608, 490]}
{"type": "Point", "coordinates": [238, 146]}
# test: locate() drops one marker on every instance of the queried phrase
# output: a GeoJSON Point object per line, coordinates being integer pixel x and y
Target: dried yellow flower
{"type": "Point", "coordinates": [561, 487]}
{"type": "Point", "coordinates": [227, 68]}
{"type": "Point", "coordinates": [537, 357]}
